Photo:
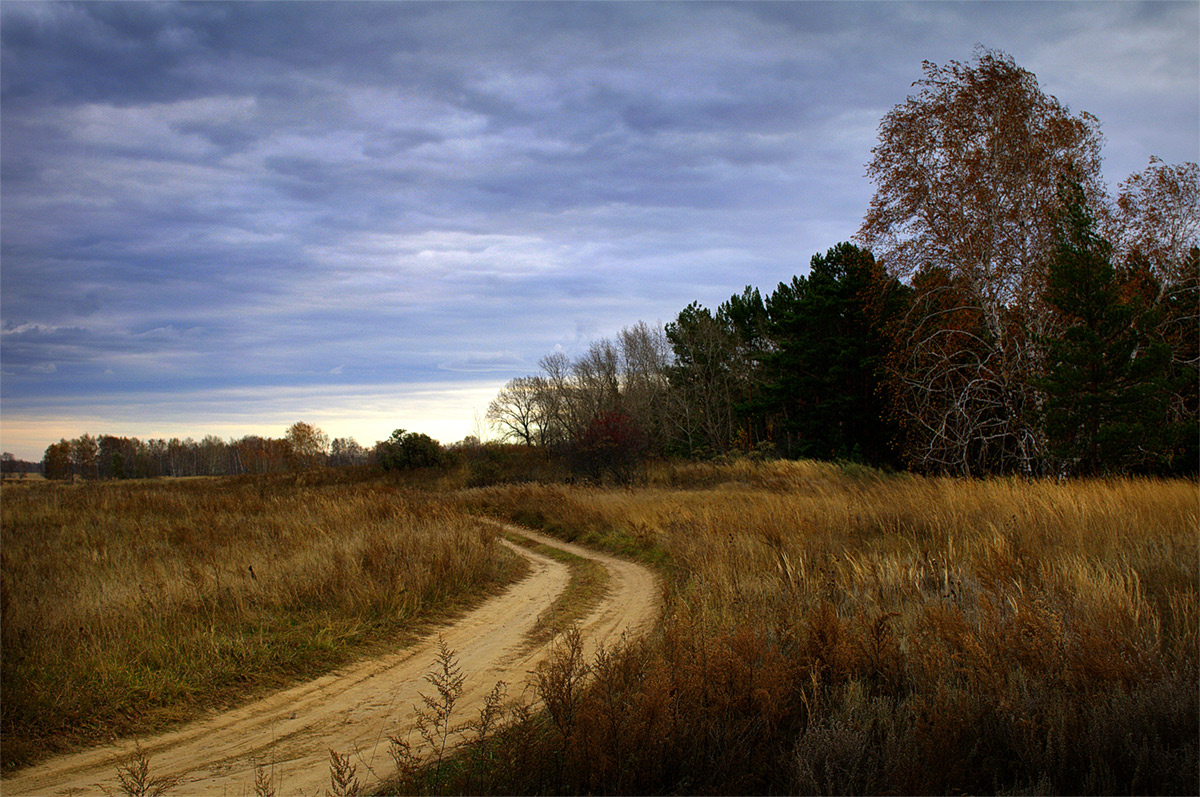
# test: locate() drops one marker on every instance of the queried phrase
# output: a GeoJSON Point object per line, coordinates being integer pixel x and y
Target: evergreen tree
{"type": "Point", "coordinates": [1106, 378]}
{"type": "Point", "coordinates": [744, 315]}
{"type": "Point", "coordinates": [825, 369]}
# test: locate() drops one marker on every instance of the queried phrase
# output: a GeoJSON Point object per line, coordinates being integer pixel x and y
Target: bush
{"type": "Point", "coordinates": [611, 445]}
{"type": "Point", "coordinates": [409, 450]}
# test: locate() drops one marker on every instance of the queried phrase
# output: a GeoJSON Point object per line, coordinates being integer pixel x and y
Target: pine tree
{"type": "Point", "coordinates": [825, 370]}
{"type": "Point", "coordinates": [1105, 383]}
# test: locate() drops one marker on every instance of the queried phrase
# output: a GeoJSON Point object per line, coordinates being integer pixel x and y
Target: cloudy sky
{"type": "Point", "coordinates": [226, 218]}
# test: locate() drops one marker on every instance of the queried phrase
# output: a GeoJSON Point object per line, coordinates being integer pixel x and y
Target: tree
{"type": "Point", "coordinates": [309, 445]}
{"type": "Point", "coordinates": [559, 403]}
{"type": "Point", "coordinates": [157, 459]}
{"type": "Point", "coordinates": [183, 457]}
{"type": "Point", "coordinates": [967, 175]}
{"type": "Point", "coordinates": [610, 444]}
{"type": "Point", "coordinates": [825, 369]}
{"type": "Point", "coordinates": [944, 393]}
{"type": "Point", "coordinates": [1179, 328]}
{"type": "Point", "coordinates": [702, 379]}
{"type": "Point", "coordinates": [408, 450]}
{"type": "Point", "coordinates": [1157, 215]}
{"type": "Point", "coordinates": [56, 463]}
{"type": "Point", "coordinates": [114, 457]}
{"type": "Point", "coordinates": [345, 451]}
{"type": "Point", "coordinates": [213, 455]}
{"type": "Point", "coordinates": [85, 456]}
{"type": "Point", "coordinates": [517, 410]}
{"type": "Point", "coordinates": [596, 381]}
{"type": "Point", "coordinates": [1106, 398]}
{"type": "Point", "coordinates": [422, 451]}
{"type": "Point", "coordinates": [744, 318]}
{"type": "Point", "coordinates": [1155, 226]}
{"type": "Point", "coordinates": [644, 360]}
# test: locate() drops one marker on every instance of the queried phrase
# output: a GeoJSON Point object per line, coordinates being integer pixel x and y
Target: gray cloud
{"type": "Point", "coordinates": [287, 195]}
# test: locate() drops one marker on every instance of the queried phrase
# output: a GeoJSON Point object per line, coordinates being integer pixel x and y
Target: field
{"type": "Point", "coordinates": [129, 606]}
{"type": "Point", "coordinates": [837, 630]}
{"type": "Point", "coordinates": [826, 629]}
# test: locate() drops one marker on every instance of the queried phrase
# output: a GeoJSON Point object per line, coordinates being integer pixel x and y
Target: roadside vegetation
{"type": "Point", "coordinates": [134, 604]}
{"type": "Point", "coordinates": [834, 629]}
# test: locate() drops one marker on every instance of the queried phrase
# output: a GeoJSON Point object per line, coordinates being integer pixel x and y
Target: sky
{"type": "Point", "coordinates": [225, 218]}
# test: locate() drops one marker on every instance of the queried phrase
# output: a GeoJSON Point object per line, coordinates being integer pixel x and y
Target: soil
{"type": "Point", "coordinates": [352, 710]}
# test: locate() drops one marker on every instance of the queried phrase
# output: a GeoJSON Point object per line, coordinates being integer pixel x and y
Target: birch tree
{"type": "Point", "coordinates": [967, 174]}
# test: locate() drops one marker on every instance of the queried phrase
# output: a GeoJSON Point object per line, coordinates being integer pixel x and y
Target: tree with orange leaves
{"type": "Point", "coordinates": [967, 174]}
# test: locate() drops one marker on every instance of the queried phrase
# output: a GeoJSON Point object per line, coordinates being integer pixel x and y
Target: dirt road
{"type": "Point", "coordinates": [353, 709]}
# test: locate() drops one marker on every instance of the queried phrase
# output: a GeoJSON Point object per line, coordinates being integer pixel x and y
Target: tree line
{"type": "Point", "coordinates": [302, 447]}
{"type": "Point", "coordinates": [19, 468]}
{"type": "Point", "coordinates": [112, 457]}
{"type": "Point", "coordinates": [998, 313]}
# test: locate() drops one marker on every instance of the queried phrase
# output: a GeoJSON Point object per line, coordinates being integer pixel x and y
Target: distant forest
{"type": "Point", "coordinates": [998, 313]}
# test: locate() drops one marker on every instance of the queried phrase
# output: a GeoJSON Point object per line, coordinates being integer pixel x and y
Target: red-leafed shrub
{"type": "Point", "coordinates": [612, 445]}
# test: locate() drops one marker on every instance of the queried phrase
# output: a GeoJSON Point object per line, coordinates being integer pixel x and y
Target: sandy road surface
{"type": "Point", "coordinates": [352, 709]}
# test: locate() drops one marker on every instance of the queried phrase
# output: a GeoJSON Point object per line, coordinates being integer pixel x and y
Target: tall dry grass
{"type": "Point", "coordinates": [841, 630]}
{"type": "Point", "coordinates": [126, 605]}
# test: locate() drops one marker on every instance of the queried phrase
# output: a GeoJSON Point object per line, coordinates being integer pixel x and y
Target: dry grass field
{"type": "Point", "coordinates": [827, 629]}
{"type": "Point", "coordinates": [130, 605]}
{"type": "Point", "coordinates": [838, 630]}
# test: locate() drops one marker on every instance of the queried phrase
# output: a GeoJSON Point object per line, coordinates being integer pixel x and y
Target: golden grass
{"type": "Point", "coordinates": [890, 633]}
{"type": "Point", "coordinates": [127, 605]}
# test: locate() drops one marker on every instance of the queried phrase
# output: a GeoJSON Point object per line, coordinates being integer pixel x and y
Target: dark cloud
{"type": "Point", "coordinates": [210, 195]}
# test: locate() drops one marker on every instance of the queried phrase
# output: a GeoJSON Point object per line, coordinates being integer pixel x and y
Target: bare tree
{"type": "Point", "coordinates": [597, 380]}
{"type": "Point", "coordinates": [559, 401]}
{"type": "Point", "coordinates": [645, 357]}
{"type": "Point", "coordinates": [516, 411]}
{"type": "Point", "coordinates": [627, 376]}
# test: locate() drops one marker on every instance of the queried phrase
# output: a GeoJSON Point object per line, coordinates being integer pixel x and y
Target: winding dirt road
{"type": "Point", "coordinates": [353, 709]}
